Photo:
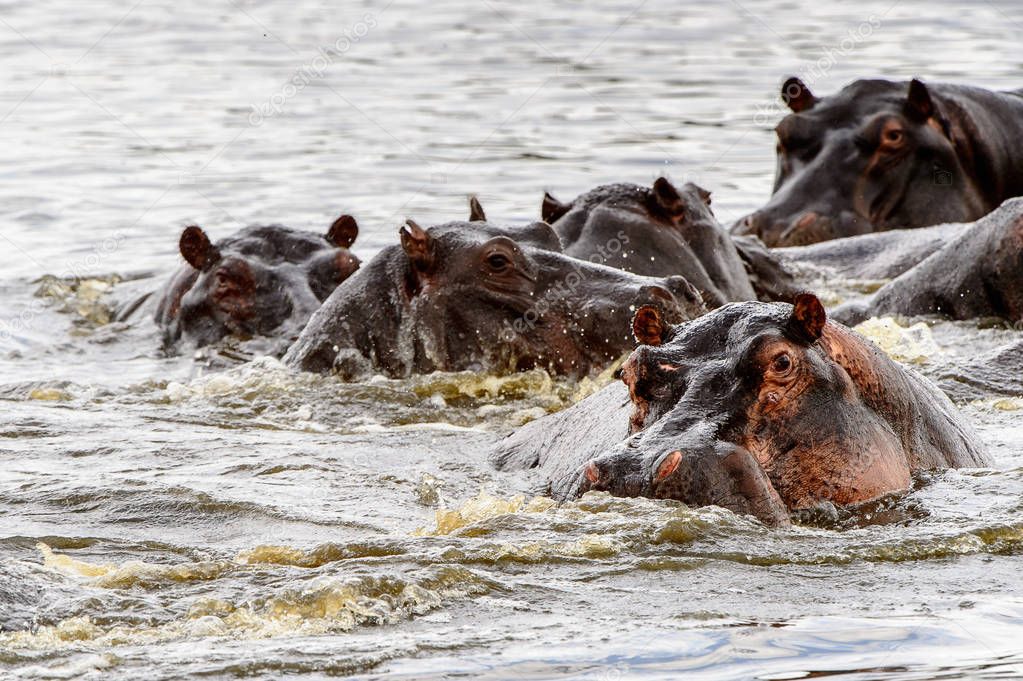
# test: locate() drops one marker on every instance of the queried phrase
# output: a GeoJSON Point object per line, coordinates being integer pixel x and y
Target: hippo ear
{"type": "Point", "coordinates": [668, 197]}
{"type": "Point", "coordinates": [476, 213]}
{"type": "Point", "coordinates": [649, 327]}
{"type": "Point", "coordinates": [196, 248]}
{"type": "Point", "coordinates": [797, 95]}
{"type": "Point", "coordinates": [704, 195]}
{"type": "Point", "coordinates": [343, 232]}
{"type": "Point", "coordinates": [419, 246]}
{"type": "Point", "coordinates": [551, 209]}
{"type": "Point", "coordinates": [808, 317]}
{"type": "Point", "coordinates": [919, 106]}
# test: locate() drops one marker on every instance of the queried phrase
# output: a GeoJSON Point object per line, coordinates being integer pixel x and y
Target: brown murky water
{"type": "Point", "coordinates": [175, 517]}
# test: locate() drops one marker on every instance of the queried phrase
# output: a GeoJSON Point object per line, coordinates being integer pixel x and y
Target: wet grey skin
{"type": "Point", "coordinates": [882, 155]}
{"type": "Point", "coordinates": [664, 230]}
{"type": "Point", "coordinates": [477, 296]}
{"type": "Point", "coordinates": [977, 274]}
{"type": "Point", "coordinates": [875, 256]}
{"type": "Point", "coordinates": [996, 372]}
{"type": "Point", "coordinates": [262, 281]}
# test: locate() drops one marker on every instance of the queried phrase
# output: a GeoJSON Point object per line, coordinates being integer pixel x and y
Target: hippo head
{"type": "Point", "coordinates": [663, 203]}
{"type": "Point", "coordinates": [878, 155]}
{"type": "Point", "coordinates": [653, 230]}
{"type": "Point", "coordinates": [475, 295]}
{"type": "Point", "coordinates": [262, 281]}
{"type": "Point", "coordinates": [765, 403]}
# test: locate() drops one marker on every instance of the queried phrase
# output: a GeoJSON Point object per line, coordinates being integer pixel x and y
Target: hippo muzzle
{"type": "Point", "coordinates": [717, 474]}
{"type": "Point", "coordinates": [782, 228]}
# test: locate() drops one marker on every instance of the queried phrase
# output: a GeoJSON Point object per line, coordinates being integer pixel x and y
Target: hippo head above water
{"type": "Point", "coordinates": [879, 155]}
{"type": "Point", "coordinates": [662, 202]}
{"type": "Point", "coordinates": [262, 281]}
{"type": "Point", "coordinates": [765, 407]}
{"type": "Point", "coordinates": [653, 231]}
{"type": "Point", "coordinates": [475, 296]}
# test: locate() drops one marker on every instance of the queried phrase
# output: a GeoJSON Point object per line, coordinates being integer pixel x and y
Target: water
{"type": "Point", "coordinates": [164, 517]}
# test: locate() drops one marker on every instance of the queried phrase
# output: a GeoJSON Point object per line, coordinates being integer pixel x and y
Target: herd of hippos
{"type": "Point", "coordinates": [743, 392]}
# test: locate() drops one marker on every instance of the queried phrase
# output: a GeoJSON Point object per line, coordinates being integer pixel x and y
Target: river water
{"type": "Point", "coordinates": [164, 517]}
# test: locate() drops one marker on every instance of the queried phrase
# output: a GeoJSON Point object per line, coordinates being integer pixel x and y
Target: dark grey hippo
{"type": "Point", "coordinates": [663, 230]}
{"type": "Point", "coordinates": [261, 281]}
{"type": "Point", "coordinates": [882, 155]}
{"type": "Point", "coordinates": [976, 273]}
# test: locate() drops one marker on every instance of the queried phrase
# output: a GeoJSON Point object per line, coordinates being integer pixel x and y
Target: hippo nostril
{"type": "Point", "coordinates": [806, 220]}
{"type": "Point", "coordinates": [682, 289]}
{"type": "Point", "coordinates": [630, 371]}
{"type": "Point", "coordinates": [668, 466]}
{"type": "Point", "coordinates": [747, 225]}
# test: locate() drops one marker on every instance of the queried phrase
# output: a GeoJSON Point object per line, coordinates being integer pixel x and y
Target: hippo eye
{"type": "Point", "coordinates": [498, 262]}
{"type": "Point", "coordinates": [893, 137]}
{"type": "Point", "coordinates": [782, 363]}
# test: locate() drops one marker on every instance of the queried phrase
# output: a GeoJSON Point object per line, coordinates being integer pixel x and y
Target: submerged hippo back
{"type": "Point", "coordinates": [978, 273]}
{"type": "Point", "coordinates": [882, 255]}
{"type": "Point", "coordinates": [561, 443]}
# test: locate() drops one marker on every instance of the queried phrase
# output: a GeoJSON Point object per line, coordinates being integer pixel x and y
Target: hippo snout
{"type": "Point", "coordinates": [687, 295]}
{"type": "Point", "coordinates": [676, 298]}
{"type": "Point", "coordinates": [748, 226]}
{"type": "Point", "coordinates": [801, 229]}
{"type": "Point", "coordinates": [661, 298]}
{"type": "Point", "coordinates": [777, 231]}
{"type": "Point", "coordinates": [618, 474]}
{"type": "Point", "coordinates": [347, 263]}
{"type": "Point", "coordinates": [594, 474]}
{"type": "Point", "coordinates": [592, 477]}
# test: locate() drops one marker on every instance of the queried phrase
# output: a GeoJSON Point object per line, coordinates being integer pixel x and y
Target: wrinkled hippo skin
{"type": "Point", "coordinates": [657, 231]}
{"type": "Point", "coordinates": [475, 296]}
{"type": "Point", "coordinates": [759, 407]}
{"type": "Point", "coordinates": [882, 155]}
{"type": "Point", "coordinates": [262, 281]}
{"type": "Point", "coordinates": [996, 372]}
{"type": "Point", "coordinates": [978, 273]}
{"type": "Point", "coordinates": [877, 256]}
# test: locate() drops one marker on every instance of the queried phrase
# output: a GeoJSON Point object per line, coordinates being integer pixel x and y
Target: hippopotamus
{"type": "Point", "coordinates": [995, 372]}
{"type": "Point", "coordinates": [762, 408]}
{"type": "Point", "coordinates": [656, 231]}
{"type": "Point", "coordinates": [882, 155]}
{"type": "Point", "coordinates": [978, 273]}
{"type": "Point", "coordinates": [874, 256]}
{"type": "Point", "coordinates": [265, 280]}
{"type": "Point", "coordinates": [477, 296]}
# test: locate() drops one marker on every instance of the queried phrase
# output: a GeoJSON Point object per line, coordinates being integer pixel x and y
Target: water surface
{"type": "Point", "coordinates": [163, 517]}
